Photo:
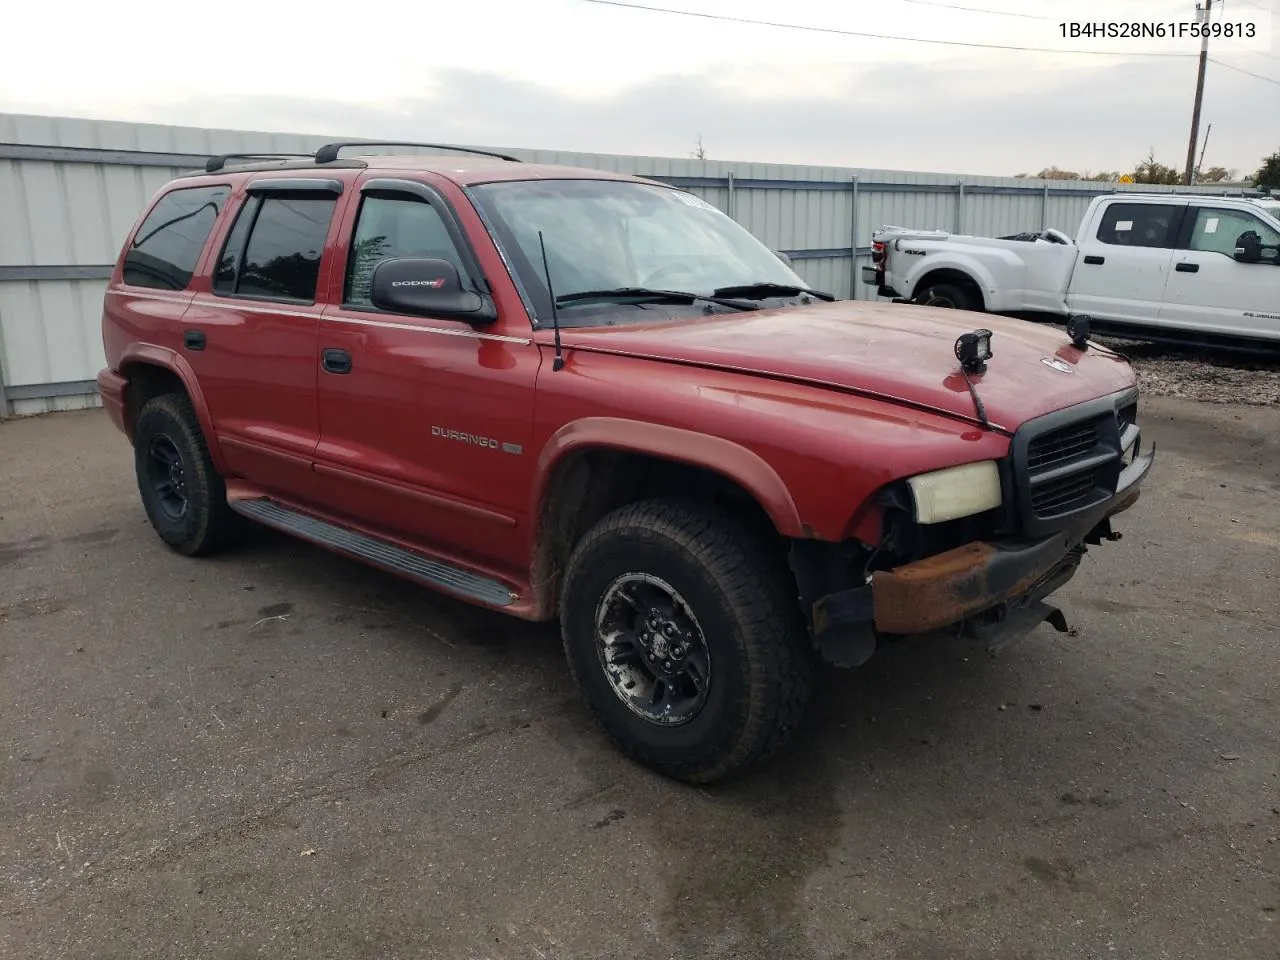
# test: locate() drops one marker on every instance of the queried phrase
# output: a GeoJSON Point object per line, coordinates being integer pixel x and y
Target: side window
{"type": "Point", "coordinates": [388, 228]}
{"type": "Point", "coordinates": [1139, 225]}
{"type": "Point", "coordinates": [273, 250]}
{"type": "Point", "coordinates": [1217, 231]}
{"type": "Point", "coordinates": [164, 251]}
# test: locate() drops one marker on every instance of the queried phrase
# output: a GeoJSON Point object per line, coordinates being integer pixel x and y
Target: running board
{"type": "Point", "coordinates": [378, 552]}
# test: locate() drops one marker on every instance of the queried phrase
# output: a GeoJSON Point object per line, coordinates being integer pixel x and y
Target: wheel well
{"type": "Point", "coordinates": [588, 484]}
{"type": "Point", "coordinates": [957, 277]}
{"type": "Point", "coordinates": [146, 382]}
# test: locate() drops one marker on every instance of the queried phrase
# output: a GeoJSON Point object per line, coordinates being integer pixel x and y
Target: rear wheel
{"type": "Point", "coordinates": [183, 494]}
{"type": "Point", "coordinates": [685, 640]}
{"type": "Point", "coordinates": [949, 296]}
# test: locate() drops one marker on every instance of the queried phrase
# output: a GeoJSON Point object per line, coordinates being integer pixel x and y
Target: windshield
{"type": "Point", "coordinates": [608, 235]}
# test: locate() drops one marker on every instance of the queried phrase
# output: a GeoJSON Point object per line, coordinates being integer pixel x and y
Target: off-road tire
{"type": "Point", "coordinates": [743, 598]}
{"type": "Point", "coordinates": [207, 524]}
{"type": "Point", "coordinates": [946, 296]}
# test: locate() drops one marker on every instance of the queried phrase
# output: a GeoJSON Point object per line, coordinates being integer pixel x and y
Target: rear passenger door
{"type": "Point", "coordinates": [1122, 268]}
{"type": "Point", "coordinates": [252, 337]}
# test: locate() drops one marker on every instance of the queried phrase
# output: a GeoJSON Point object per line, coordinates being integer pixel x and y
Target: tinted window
{"type": "Point", "coordinates": [164, 251]}
{"type": "Point", "coordinates": [228, 268]}
{"type": "Point", "coordinates": [1217, 231]}
{"type": "Point", "coordinates": [282, 258]}
{"type": "Point", "coordinates": [389, 228]}
{"type": "Point", "coordinates": [1139, 225]}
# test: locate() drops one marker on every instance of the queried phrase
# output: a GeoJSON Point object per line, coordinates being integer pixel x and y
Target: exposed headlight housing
{"type": "Point", "coordinates": [956, 492]}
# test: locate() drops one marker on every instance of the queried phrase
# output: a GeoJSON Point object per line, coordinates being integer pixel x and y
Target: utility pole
{"type": "Point", "coordinates": [1195, 111]}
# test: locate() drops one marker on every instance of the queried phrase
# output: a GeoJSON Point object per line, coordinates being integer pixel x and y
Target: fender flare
{"type": "Point", "coordinates": [176, 364]}
{"type": "Point", "coordinates": [732, 460]}
{"type": "Point", "coordinates": [972, 268]}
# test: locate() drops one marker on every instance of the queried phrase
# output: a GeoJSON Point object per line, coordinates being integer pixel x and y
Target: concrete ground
{"type": "Point", "coordinates": [279, 753]}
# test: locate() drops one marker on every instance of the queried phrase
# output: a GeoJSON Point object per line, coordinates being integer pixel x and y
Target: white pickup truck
{"type": "Point", "coordinates": [1156, 267]}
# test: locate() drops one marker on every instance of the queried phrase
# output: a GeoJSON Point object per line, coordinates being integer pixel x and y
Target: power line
{"type": "Point", "coordinates": [949, 43]}
{"type": "Point", "coordinates": [1248, 73]}
{"type": "Point", "coordinates": [995, 13]}
{"type": "Point", "coordinates": [889, 36]}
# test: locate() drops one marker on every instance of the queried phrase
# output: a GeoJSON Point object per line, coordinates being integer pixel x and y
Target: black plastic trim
{"type": "Point", "coordinates": [1105, 457]}
{"type": "Point", "coordinates": [378, 552]}
{"type": "Point", "coordinates": [294, 185]}
{"type": "Point", "coordinates": [214, 164]}
{"type": "Point", "coordinates": [329, 152]}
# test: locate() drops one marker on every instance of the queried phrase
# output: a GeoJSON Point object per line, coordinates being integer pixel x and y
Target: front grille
{"type": "Point", "coordinates": [1065, 494]}
{"type": "Point", "coordinates": [1060, 445]}
{"type": "Point", "coordinates": [1069, 461]}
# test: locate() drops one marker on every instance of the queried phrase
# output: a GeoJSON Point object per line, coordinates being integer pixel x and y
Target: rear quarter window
{"type": "Point", "coordinates": [165, 249]}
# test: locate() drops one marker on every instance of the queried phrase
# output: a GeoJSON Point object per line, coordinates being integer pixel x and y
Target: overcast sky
{"type": "Point", "coordinates": [577, 75]}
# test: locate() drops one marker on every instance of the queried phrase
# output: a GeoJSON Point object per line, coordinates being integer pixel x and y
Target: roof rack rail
{"type": "Point", "coordinates": [329, 152]}
{"type": "Point", "coordinates": [214, 164]}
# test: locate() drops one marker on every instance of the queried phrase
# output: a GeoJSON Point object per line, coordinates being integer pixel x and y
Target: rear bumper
{"type": "Point", "coordinates": [111, 388]}
{"type": "Point", "coordinates": [1000, 578]}
{"type": "Point", "coordinates": [874, 277]}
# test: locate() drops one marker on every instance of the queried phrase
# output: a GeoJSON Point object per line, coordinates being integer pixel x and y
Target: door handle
{"type": "Point", "coordinates": [1095, 260]}
{"type": "Point", "coordinates": [193, 339]}
{"type": "Point", "coordinates": [1187, 268]}
{"type": "Point", "coordinates": [336, 361]}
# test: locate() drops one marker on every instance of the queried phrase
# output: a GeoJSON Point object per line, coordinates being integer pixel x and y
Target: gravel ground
{"type": "Point", "coordinates": [1200, 375]}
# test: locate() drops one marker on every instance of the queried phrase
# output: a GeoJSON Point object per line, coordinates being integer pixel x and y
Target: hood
{"type": "Point", "coordinates": [898, 352]}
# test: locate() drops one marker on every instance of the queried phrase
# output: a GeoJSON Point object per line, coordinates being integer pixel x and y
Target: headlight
{"type": "Point", "coordinates": [956, 492]}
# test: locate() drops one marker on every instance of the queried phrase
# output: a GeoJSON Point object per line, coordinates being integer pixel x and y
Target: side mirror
{"type": "Point", "coordinates": [783, 257]}
{"type": "Point", "coordinates": [1249, 247]}
{"type": "Point", "coordinates": [427, 287]}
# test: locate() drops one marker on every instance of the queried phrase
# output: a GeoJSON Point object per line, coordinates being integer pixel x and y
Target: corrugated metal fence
{"type": "Point", "coordinates": [70, 189]}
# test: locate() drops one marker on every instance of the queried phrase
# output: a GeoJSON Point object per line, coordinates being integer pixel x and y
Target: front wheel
{"type": "Point", "coordinates": [685, 640]}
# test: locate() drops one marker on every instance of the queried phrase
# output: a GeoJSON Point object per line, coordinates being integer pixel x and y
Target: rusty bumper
{"type": "Point", "coordinates": [945, 589]}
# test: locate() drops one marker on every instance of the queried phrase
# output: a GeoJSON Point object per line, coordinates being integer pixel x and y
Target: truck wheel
{"type": "Point", "coordinates": [945, 295]}
{"type": "Point", "coordinates": [182, 493]}
{"type": "Point", "coordinates": [685, 639]}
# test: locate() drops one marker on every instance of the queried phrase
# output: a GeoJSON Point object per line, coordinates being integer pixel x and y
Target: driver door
{"type": "Point", "coordinates": [425, 423]}
{"type": "Point", "coordinates": [1209, 290]}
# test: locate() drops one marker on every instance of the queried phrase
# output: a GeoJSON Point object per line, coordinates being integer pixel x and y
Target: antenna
{"type": "Point", "coordinates": [555, 313]}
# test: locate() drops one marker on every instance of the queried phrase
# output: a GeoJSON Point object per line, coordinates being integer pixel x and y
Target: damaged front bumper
{"type": "Point", "coordinates": [992, 591]}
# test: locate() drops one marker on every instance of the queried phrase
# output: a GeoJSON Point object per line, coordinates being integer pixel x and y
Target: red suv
{"type": "Point", "coordinates": [571, 394]}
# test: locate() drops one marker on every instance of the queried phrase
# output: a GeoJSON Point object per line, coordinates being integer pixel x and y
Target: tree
{"type": "Point", "coordinates": [1268, 175]}
{"type": "Point", "coordinates": [1214, 175]}
{"type": "Point", "coordinates": [700, 153]}
{"type": "Point", "coordinates": [1057, 173]}
{"type": "Point", "coordinates": [1151, 170]}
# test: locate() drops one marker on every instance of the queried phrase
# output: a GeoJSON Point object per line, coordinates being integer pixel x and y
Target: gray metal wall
{"type": "Point", "coordinates": [70, 189]}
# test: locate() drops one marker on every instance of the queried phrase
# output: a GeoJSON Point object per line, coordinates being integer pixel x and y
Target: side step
{"type": "Point", "coordinates": [378, 552]}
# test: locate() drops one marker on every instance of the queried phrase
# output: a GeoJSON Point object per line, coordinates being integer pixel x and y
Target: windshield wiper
{"type": "Point", "coordinates": [760, 291]}
{"type": "Point", "coordinates": [645, 295]}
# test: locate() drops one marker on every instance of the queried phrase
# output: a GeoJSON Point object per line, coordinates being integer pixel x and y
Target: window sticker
{"type": "Point", "coordinates": [1124, 225]}
{"type": "Point", "coordinates": [1211, 225]}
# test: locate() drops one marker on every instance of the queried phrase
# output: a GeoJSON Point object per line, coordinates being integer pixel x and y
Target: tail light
{"type": "Point", "coordinates": [877, 252]}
